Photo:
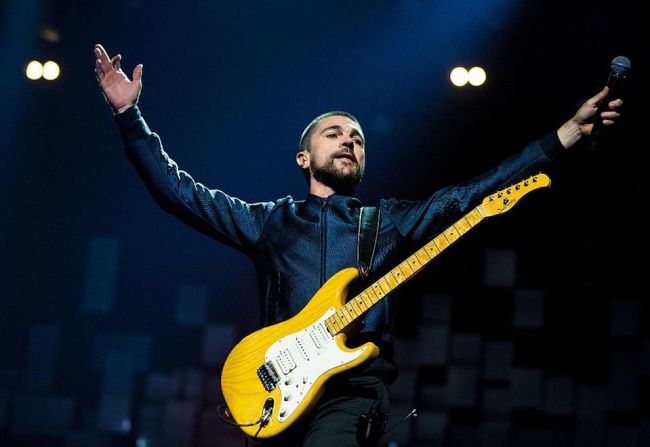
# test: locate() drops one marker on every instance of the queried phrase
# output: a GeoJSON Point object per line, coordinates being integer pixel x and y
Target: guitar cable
{"type": "Point", "coordinates": [262, 421]}
{"type": "Point", "coordinates": [224, 415]}
{"type": "Point", "coordinates": [412, 413]}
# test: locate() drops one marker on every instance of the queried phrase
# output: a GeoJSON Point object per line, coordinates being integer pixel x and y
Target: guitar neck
{"type": "Point", "coordinates": [360, 304]}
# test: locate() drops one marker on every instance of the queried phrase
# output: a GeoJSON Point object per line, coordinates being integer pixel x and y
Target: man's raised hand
{"type": "Point", "coordinates": [119, 90]}
{"type": "Point", "coordinates": [582, 122]}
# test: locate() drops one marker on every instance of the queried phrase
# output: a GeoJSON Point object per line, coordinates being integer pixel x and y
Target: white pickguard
{"type": "Point", "coordinates": [301, 358]}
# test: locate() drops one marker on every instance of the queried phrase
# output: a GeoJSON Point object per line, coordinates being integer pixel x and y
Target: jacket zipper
{"type": "Point", "coordinates": [323, 239]}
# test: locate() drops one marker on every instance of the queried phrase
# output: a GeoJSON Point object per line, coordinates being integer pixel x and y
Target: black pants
{"type": "Point", "coordinates": [334, 422]}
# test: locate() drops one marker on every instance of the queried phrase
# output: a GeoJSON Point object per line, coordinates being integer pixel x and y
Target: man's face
{"type": "Point", "coordinates": [336, 156]}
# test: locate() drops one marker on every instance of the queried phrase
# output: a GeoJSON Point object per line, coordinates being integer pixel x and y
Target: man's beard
{"type": "Point", "coordinates": [335, 178]}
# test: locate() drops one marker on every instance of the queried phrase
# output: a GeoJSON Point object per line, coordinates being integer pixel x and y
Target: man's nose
{"type": "Point", "coordinates": [348, 142]}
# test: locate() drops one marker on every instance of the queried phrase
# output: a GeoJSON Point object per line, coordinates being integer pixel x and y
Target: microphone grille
{"type": "Point", "coordinates": [621, 65]}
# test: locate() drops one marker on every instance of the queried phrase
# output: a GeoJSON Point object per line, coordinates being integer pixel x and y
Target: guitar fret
{"type": "Point", "coordinates": [403, 267]}
{"type": "Point", "coordinates": [414, 263]}
{"type": "Point", "coordinates": [373, 296]}
{"type": "Point", "coordinates": [451, 235]}
{"type": "Point", "coordinates": [390, 279]}
{"type": "Point", "coordinates": [354, 304]}
{"type": "Point", "coordinates": [346, 314]}
{"type": "Point", "coordinates": [351, 311]}
{"type": "Point", "coordinates": [398, 275]}
{"type": "Point", "coordinates": [375, 288]}
{"type": "Point", "coordinates": [366, 298]}
{"type": "Point", "coordinates": [462, 226]}
{"type": "Point", "coordinates": [335, 325]}
{"type": "Point", "coordinates": [431, 249]}
{"type": "Point", "coordinates": [384, 285]}
{"type": "Point", "coordinates": [358, 301]}
{"type": "Point", "coordinates": [441, 242]}
{"type": "Point", "coordinates": [474, 217]}
{"type": "Point", "coordinates": [341, 317]}
{"type": "Point", "coordinates": [422, 256]}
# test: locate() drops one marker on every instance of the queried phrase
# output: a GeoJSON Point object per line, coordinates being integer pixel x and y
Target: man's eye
{"type": "Point", "coordinates": [359, 142]}
{"type": "Point", "coordinates": [330, 135]}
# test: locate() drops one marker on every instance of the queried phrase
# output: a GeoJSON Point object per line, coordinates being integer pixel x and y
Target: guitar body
{"type": "Point", "coordinates": [280, 370]}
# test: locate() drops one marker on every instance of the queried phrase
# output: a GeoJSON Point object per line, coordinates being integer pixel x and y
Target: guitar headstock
{"type": "Point", "coordinates": [503, 200]}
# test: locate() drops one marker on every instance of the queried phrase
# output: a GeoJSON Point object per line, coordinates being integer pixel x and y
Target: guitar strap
{"type": "Point", "coordinates": [369, 217]}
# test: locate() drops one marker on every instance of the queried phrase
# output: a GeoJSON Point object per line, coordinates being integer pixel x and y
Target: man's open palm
{"type": "Point", "coordinates": [119, 90]}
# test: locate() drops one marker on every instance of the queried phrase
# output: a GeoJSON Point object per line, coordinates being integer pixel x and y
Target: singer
{"type": "Point", "coordinates": [297, 245]}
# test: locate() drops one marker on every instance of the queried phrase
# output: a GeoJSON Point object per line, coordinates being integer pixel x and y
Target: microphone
{"type": "Point", "coordinates": [620, 70]}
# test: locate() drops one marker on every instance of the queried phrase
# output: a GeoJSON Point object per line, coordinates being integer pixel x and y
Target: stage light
{"type": "Point", "coordinates": [34, 70]}
{"type": "Point", "coordinates": [459, 76]}
{"type": "Point", "coordinates": [51, 70]}
{"type": "Point", "coordinates": [477, 76]}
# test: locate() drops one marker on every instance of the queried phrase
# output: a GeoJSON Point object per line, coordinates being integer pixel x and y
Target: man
{"type": "Point", "coordinates": [297, 245]}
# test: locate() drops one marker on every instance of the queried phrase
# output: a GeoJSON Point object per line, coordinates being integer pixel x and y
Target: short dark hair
{"type": "Point", "coordinates": [309, 130]}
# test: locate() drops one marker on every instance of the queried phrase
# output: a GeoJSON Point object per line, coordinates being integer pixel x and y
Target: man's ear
{"type": "Point", "coordinates": [302, 159]}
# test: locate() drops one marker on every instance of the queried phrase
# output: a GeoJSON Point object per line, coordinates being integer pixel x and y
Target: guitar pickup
{"type": "Point", "coordinates": [286, 362]}
{"type": "Point", "coordinates": [318, 336]}
{"type": "Point", "coordinates": [268, 376]}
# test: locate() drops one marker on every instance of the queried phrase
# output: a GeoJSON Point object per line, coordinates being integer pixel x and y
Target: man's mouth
{"type": "Point", "coordinates": [346, 156]}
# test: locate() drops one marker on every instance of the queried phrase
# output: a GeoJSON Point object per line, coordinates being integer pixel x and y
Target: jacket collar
{"type": "Point", "coordinates": [341, 206]}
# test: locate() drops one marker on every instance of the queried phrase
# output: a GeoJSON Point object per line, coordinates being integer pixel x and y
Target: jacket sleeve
{"type": "Point", "coordinates": [210, 211]}
{"type": "Point", "coordinates": [419, 221]}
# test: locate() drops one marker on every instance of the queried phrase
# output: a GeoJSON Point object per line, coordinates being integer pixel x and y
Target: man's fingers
{"type": "Point", "coordinates": [599, 97]}
{"type": "Point", "coordinates": [115, 61]}
{"type": "Point", "coordinates": [102, 55]}
{"type": "Point", "coordinates": [99, 70]}
{"type": "Point", "coordinates": [610, 115]}
{"type": "Point", "coordinates": [137, 73]}
{"type": "Point", "coordinates": [615, 104]}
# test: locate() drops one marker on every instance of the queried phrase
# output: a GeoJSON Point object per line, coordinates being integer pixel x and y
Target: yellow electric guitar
{"type": "Point", "coordinates": [275, 375]}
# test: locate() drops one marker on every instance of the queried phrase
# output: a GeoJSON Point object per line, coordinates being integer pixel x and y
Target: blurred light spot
{"type": "Point", "coordinates": [51, 70]}
{"type": "Point", "coordinates": [34, 70]}
{"type": "Point", "coordinates": [477, 76]}
{"type": "Point", "coordinates": [50, 34]}
{"type": "Point", "coordinates": [125, 425]}
{"type": "Point", "coordinates": [459, 76]}
{"type": "Point", "coordinates": [141, 442]}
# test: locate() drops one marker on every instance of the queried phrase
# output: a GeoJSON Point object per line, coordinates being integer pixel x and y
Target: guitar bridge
{"type": "Point", "coordinates": [268, 376]}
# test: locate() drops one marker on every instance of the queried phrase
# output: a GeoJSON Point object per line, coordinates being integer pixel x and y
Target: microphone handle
{"type": "Point", "coordinates": [616, 83]}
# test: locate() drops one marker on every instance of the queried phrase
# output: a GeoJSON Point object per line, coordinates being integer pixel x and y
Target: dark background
{"type": "Point", "coordinates": [115, 317]}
